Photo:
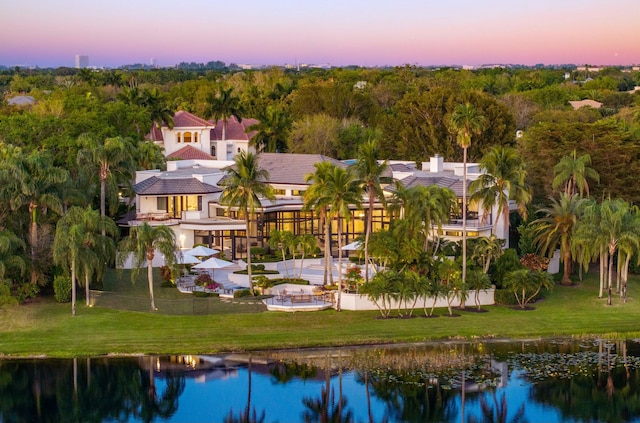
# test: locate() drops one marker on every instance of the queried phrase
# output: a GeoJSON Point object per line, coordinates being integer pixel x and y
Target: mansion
{"type": "Point", "coordinates": [186, 196]}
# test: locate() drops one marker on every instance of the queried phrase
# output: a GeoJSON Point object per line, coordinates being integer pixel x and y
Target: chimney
{"type": "Point", "coordinates": [436, 164]}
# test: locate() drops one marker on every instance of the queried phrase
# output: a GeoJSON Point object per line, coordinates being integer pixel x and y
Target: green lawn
{"type": "Point", "coordinates": [47, 328]}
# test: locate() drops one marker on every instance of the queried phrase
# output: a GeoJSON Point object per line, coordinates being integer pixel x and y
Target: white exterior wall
{"type": "Point", "coordinates": [357, 302]}
{"type": "Point", "coordinates": [171, 144]}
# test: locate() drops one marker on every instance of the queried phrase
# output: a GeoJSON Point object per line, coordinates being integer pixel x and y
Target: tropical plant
{"type": "Point", "coordinates": [142, 243]}
{"type": "Point", "coordinates": [244, 184]}
{"type": "Point", "coordinates": [111, 160]}
{"type": "Point", "coordinates": [33, 180]}
{"type": "Point", "coordinates": [450, 281]}
{"type": "Point", "coordinates": [464, 122]}
{"type": "Point", "coordinates": [555, 227]}
{"type": "Point", "coordinates": [282, 240]}
{"type": "Point", "coordinates": [11, 259]}
{"type": "Point", "coordinates": [526, 285]}
{"type": "Point", "coordinates": [222, 105]}
{"type": "Point", "coordinates": [572, 172]}
{"type": "Point", "coordinates": [306, 245]}
{"type": "Point", "coordinates": [432, 290]}
{"type": "Point", "coordinates": [379, 290]}
{"type": "Point", "coordinates": [477, 282]}
{"type": "Point", "coordinates": [272, 131]}
{"type": "Point", "coordinates": [372, 175]}
{"type": "Point", "coordinates": [503, 181]}
{"type": "Point", "coordinates": [80, 247]}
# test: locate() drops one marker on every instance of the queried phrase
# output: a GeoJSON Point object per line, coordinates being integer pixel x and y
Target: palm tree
{"type": "Point", "coordinates": [464, 122]}
{"type": "Point", "coordinates": [114, 161]}
{"type": "Point", "coordinates": [142, 242]}
{"type": "Point", "coordinates": [244, 183]}
{"type": "Point", "coordinates": [316, 198]}
{"type": "Point", "coordinates": [340, 193]}
{"type": "Point", "coordinates": [555, 228]}
{"type": "Point", "coordinates": [10, 245]}
{"type": "Point", "coordinates": [372, 174]}
{"type": "Point", "coordinates": [306, 245]}
{"type": "Point", "coordinates": [222, 105]}
{"type": "Point", "coordinates": [159, 109]}
{"type": "Point", "coordinates": [503, 181]}
{"type": "Point", "coordinates": [486, 249]}
{"type": "Point", "coordinates": [272, 131]}
{"type": "Point", "coordinates": [34, 183]}
{"type": "Point", "coordinates": [572, 172]}
{"type": "Point", "coordinates": [80, 247]}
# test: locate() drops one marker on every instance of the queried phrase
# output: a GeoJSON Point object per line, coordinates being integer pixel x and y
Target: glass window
{"type": "Point", "coordinates": [187, 137]}
{"type": "Point", "coordinates": [178, 136]}
{"type": "Point", "coordinates": [195, 137]}
{"type": "Point", "coordinates": [161, 203]}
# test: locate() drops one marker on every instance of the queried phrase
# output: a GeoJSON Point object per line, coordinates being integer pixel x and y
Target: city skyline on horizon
{"type": "Point", "coordinates": [37, 33]}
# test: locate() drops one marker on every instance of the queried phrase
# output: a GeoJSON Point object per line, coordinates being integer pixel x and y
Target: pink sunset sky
{"type": "Point", "coordinates": [49, 33]}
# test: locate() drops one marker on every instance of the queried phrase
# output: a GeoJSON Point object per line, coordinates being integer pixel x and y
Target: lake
{"type": "Point", "coordinates": [535, 381]}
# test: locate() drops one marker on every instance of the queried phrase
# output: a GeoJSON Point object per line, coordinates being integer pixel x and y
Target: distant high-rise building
{"type": "Point", "coordinates": [153, 62]}
{"type": "Point", "coordinates": [82, 61]}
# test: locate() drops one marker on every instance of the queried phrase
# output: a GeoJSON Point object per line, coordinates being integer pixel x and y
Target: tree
{"type": "Point", "coordinates": [281, 240]}
{"type": "Point", "coordinates": [502, 182]}
{"type": "Point", "coordinates": [272, 131]}
{"type": "Point", "coordinates": [142, 243]}
{"type": "Point", "coordinates": [80, 247]}
{"type": "Point", "coordinates": [114, 162]}
{"type": "Point", "coordinates": [478, 281]}
{"type": "Point", "coordinates": [343, 191]}
{"type": "Point", "coordinates": [486, 249]}
{"type": "Point", "coordinates": [555, 228]}
{"type": "Point", "coordinates": [526, 284]}
{"type": "Point", "coordinates": [572, 172]}
{"type": "Point", "coordinates": [371, 174]}
{"type": "Point", "coordinates": [464, 122]}
{"type": "Point", "coordinates": [222, 105]}
{"type": "Point", "coordinates": [10, 258]}
{"type": "Point", "coordinates": [34, 183]}
{"type": "Point", "coordinates": [316, 198]}
{"type": "Point", "coordinates": [244, 183]}
{"type": "Point", "coordinates": [158, 107]}
{"type": "Point", "coordinates": [306, 245]}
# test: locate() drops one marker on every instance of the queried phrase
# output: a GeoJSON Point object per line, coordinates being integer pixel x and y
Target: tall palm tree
{"type": "Point", "coordinates": [159, 109]}
{"type": "Point", "coordinates": [221, 105]}
{"type": "Point", "coordinates": [503, 181]}
{"type": "Point", "coordinates": [244, 183]}
{"type": "Point", "coordinates": [465, 121]}
{"type": "Point", "coordinates": [372, 175]}
{"type": "Point", "coordinates": [34, 183]}
{"type": "Point", "coordinates": [316, 198]}
{"type": "Point", "coordinates": [79, 246]}
{"type": "Point", "coordinates": [142, 242]}
{"type": "Point", "coordinates": [114, 161]}
{"type": "Point", "coordinates": [555, 228]}
{"type": "Point", "coordinates": [344, 193]}
{"type": "Point", "coordinates": [572, 172]}
{"type": "Point", "coordinates": [272, 131]}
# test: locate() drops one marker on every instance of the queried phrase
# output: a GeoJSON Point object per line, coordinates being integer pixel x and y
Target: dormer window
{"type": "Point", "coordinates": [187, 137]}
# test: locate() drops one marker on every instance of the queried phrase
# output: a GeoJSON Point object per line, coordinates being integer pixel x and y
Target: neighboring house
{"type": "Point", "coordinates": [204, 136]}
{"type": "Point", "coordinates": [186, 198]}
{"type": "Point", "coordinates": [21, 100]}
{"type": "Point", "coordinates": [585, 103]}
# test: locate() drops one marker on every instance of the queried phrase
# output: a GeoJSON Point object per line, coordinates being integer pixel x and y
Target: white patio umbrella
{"type": "Point", "coordinates": [213, 263]}
{"type": "Point", "coordinates": [354, 246]}
{"type": "Point", "coordinates": [186, 258]}
{"type": "Point", "coordinates": [201, 251]}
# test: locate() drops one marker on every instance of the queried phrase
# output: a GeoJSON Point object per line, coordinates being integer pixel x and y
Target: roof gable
{"type": "Point", "coordinates": [184, 119]}
{"type": "Point", "coordinates": [236, 130]}
{"type": "Point", "coordinates": [189, 152]}
{"type": "Point", "coordinates": [174, 186]}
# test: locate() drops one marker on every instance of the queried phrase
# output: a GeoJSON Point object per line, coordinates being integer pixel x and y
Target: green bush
{"type": "Point", "coordinates": [166, 284]}
{"type": "Point", "coordinates": [239, 293]}
{"type": "Point", "coordinates": [505, 297]}
{"type": "Point", "coordinates": [294, 281]}
{"type": "Point", "coordinates": [255, 272]}
{"type": "Point", "coordinates": [62, 288]}
{"type": "Point", "coordinates": [202, 294]}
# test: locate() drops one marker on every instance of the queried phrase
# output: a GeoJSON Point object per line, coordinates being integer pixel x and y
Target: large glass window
{"type": "Point", "coordinates": [162, 203]}
{"type": "Point", "coordinates": [177, 204]}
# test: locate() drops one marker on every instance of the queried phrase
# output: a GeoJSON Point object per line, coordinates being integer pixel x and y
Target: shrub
{"type": "Point", "coordinates": [203, 280]}
{"type": "Point", "coordinates": [239, 293]}
{"type": "Point", "coordinates": [62, 288]}
{"type": "Point", "coordinates": [201, 294]}
{"type": "Point", "coordinates": [505, 297]}
{"type": "Point", "coordinates": [166, 284]}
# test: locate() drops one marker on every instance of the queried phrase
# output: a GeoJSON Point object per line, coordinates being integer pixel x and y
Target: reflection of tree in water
{"type": "Point", "coordinates": [497, 412]}
{"type": "Point", "coordinates": [284, 372]}
{"type": "Point", "coordinates": [104, 390]}
{"type": "Point", "coordinates": [325, 409]}
{"type": "Point", "coordinates": [248, 415]}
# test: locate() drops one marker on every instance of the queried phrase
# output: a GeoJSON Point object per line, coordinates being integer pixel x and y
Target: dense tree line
{"type": "Point", "coordinates": [333, 112]}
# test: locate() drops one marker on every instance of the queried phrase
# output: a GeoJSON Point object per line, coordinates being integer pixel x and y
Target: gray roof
{"type": "Point", "coordinates": [177, 186]}
{"type": "Point", "coordinates": [286, 168]}
{"type": "Point", "coordinates": [21, 100]}
{"type": "Point", "coordinates": [453, 183]}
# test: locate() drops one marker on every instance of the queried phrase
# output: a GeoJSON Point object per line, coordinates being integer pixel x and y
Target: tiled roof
{"type": "Point", "coordinates": [235, 130]}
{"type": "Point", "coordinates": [189, 152]}
{"type": "Point", "coordinates": [402, 167]}
{"type": "Point", "coordinates": [155, 134]}
{"type": "Point", "coordinates": [454, 184]}
{"type": "Point", "coordinates": [185, 119]}
{"type": "Point", "coordinates": [285, 168]}
{"type": "Point", "coordinates": [21, 100]}
{"type": "Point", "coordinates": [176, 186]}
{"type": "Point", "coordinates": [585, 103]}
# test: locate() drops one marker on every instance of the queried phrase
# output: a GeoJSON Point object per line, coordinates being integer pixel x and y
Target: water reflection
{"type": "Point", "coordinates": [446, 382]}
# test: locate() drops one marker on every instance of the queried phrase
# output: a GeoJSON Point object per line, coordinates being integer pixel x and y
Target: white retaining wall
{"type": "Point", "coordinates": [356, 302]}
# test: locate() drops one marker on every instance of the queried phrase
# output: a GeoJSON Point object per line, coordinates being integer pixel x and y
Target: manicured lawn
{"type": "Point", "coordinates": [47, 328]}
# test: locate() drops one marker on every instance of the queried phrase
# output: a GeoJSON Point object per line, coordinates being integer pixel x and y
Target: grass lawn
{"type": "Point", "coordinates": [47, 328]}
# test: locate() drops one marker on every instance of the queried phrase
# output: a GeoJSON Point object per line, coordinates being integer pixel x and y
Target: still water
{"type": "Point", "coordinates": [535, 381]}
